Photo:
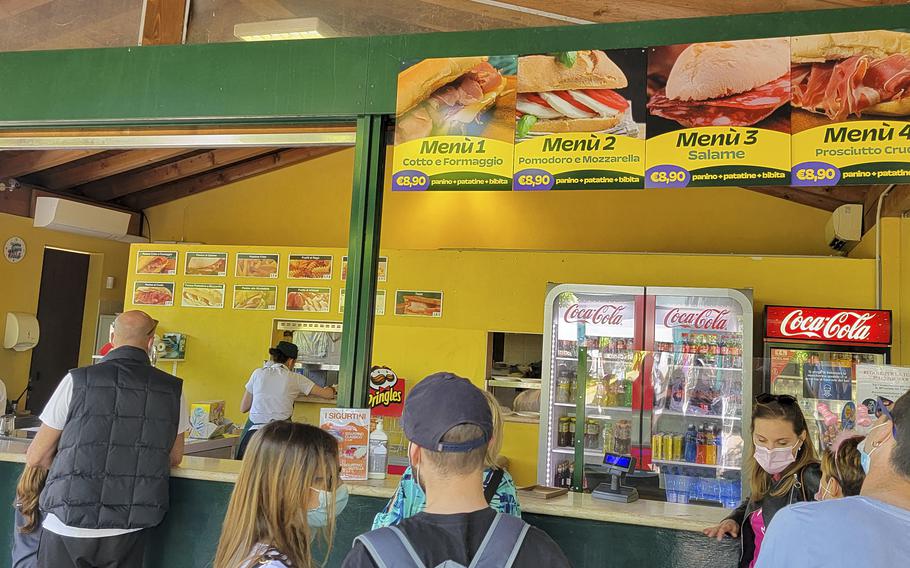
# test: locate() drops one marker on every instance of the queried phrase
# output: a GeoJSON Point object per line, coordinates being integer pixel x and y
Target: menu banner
{"type": "Point", "coordinates": [257, 265]}
{"type": "Point", "coordinates": [202, 296]}
{"type": "Point", "coordinates": [153, 294]}
{"type": "Point", "coordinates": [850, 108]}
{"type": "Point", "coordinates": [255, 297]}
{"type": "Point", "coordinates": [308, 299]}
{"type": "Point", "coordinates": [206, 264]}
{"type": "Point", "coordinates": [311, 267]}
{"type": "Point", "coordinates": [156, 262]}
{"type": "Point", "coordinates": [455, 124]}
{"type": "Point", "coordinates": [719, 114]}
{"type": "Point", "coordinates": [579, 120]}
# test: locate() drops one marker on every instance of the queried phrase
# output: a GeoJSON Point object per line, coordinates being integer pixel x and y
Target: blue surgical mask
{"type": "Point", "coordinates": [865, 459]}
{"type": "Point", "coordinates": [319, 517]}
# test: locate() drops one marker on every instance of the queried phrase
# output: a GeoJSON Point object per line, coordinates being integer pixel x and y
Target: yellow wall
{"type": "Point", "coordinates": [21, 283]}
{"type": "Point", "coordinates": [309, 205]}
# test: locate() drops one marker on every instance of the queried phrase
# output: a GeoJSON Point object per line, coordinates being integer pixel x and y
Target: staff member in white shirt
{"type": "Point", "coordinates": [272, 390]}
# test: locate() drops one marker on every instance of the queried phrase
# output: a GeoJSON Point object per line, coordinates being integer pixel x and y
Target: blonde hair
{"type": "Point", "coordinates": [843, 465]}
{"type": "Point", "coordinates": [495, 447]}
{"type": "Point", "coordinates": [761, 481]}
{"type": "Point", "coordinates": [28, 490]}
{"type": "Point", "coordinates": [268, 506]}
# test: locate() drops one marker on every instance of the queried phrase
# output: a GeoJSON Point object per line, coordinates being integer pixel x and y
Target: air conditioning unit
{"type": "Point", "coordinates": [83, 219]}
{"type": "Point", "coordinates": [845, 228]}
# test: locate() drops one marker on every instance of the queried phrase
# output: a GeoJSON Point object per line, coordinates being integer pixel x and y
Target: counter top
{"type": "Point", "coordinates": [573, 505]}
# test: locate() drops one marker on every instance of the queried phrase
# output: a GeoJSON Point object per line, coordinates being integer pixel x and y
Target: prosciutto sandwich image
{"type": "Point", "coordinates": [730, 83]}
{"type": "Point", "coordinates": [437, 97]}
{"type": "Point", "coordinates": [569, 92]}
{"type": "Point", "coordinates": [852, 74]}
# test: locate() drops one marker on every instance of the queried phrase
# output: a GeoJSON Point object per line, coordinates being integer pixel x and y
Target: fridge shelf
{"type": "Point", "coordinates": [661, 412]}
{"type": "Point", "coordinates": [513, 383]}
{"type": "Point", "coordinates": [571, 451]}
{"type": "Point", "coordinates": [600, 408]}
{"type": "Point", "coordinates": [691, 464]}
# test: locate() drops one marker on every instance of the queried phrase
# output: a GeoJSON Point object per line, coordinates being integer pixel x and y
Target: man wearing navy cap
{"type": "Point", "coordinates": [449, 425]}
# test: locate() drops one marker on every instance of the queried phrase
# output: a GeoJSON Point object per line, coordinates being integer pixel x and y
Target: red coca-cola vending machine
{"type": "Point", "coordinates": [812, 354]}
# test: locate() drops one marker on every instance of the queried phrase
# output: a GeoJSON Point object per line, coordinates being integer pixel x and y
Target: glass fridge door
{"type": "Point", "coordinates": [823, 380]}
{"type": "Point", "coordinates": [700, 379]}
{"type": "Point", "coordinates": [591, 389]}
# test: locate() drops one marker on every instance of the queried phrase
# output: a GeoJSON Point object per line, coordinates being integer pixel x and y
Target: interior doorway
{"type": "Point", "coordinates": [61, 307]}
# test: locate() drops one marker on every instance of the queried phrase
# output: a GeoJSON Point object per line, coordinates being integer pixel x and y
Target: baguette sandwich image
{"type": "Point", "coordinates": [442, 96]}
{"type": "Point", "coordinates": [152, 296]}
{"type": "Point", "coordinates": [852, 74]}
{"type": "Point", "coordinates": [727, 83]}
{"type": "Point", "coordinates": [205, 266]}
{"type": "Point", "coordinates": [203, 297]}
{"type": "Point", "coordinates": [569, 92]}
{"type": "Point", "coordinates": [156, 264]}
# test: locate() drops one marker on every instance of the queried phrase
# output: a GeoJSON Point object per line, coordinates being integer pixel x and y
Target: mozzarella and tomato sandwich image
{"type": "Point", "coordinates": [570, 91]}
{"type": "Point", "coordinates": [196, 297]}
{"type": "Point", "coordinates": [849, 75]}
{"type": "Point", "coordinates": [153, 296]}
{"type": "Point", "coordinates": [726, 83]}
{"type": "Point", "coordinates": [156, 264]}
{"type": "Point", "coordinates": [438, 97]}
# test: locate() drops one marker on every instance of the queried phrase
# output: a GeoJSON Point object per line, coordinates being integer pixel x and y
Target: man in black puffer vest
{"type": "Point", "coordinates": [109, 436]}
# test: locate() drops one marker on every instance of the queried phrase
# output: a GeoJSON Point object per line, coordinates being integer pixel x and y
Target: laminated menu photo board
{"type": "Point", "coordinates": [455, 124]}
{"type": "Point", "coordinates": [351, 427]}
{"type": "Point", "coordinates": [719, 114]}
{"type": "Point", "coordinates": [580, 120]}
{"type": "Point", "coordinates": [851, 109]}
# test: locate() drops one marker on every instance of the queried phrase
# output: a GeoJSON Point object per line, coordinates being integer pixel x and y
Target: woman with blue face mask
{"type": "Point", "coordinates": [287, 493]}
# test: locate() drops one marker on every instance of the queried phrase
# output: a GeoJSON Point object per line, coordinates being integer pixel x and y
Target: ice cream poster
{"type": "Point", "coordinates": [454, 126]}
{"type": "Point", "coordinates": [851, 106]}
{"type": "Point", "coordinates": [580, 120]}
{"type": "Point", "coordinates": [351, 427]}
{"type": "Point", "coordinates": [719, 114]}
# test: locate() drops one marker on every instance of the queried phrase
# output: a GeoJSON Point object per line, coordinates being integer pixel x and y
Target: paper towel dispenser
{"type": "Point", "coordinates": [21, 331]}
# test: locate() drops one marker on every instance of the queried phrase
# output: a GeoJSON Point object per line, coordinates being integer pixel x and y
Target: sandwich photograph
{"type": "Point", "coordinates": [581, 91]}
{"type": "Point", "coordinates": [205, 264]}
{"type": "Point", "coordinates": [153, 294]}
{"type": "Point", "coordinates": [850, 76]}
{"type": "Point", "coordinates": [202, 296]}
{"type": "Point", "coordinates": [457, 96]}
{"type": "Point", "coordinates": [156, 262]}
{"type": "Point", "coordinates": [413, 303]}
{"type": "Point", "coordinates": [725, 83]}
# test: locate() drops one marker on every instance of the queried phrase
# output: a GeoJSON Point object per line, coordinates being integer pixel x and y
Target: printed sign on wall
{"type": "Point", "coordinates": [454, 126]}
{"type": "Point", "coordinates": [156, 262]}
{"type": "Point", "coordinates": [579, 120]}
{"type": "Point", "coordinates": [254, 265]}
{"type": "Point", "coordinates": [202, 296]}
{"type": "Point", "coordinates": [153, 294]}
{"type": "Point", "coordinates": [308, 299]}
{"type": "Point", "coordinates": [206, 264]}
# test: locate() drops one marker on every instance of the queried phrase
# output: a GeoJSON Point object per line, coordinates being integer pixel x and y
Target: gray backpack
{"type": "Point", "coordinates": [390, 548]}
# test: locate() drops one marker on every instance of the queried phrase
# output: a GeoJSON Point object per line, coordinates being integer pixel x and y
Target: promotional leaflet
{"type": "Point", "coordinates": [311, 267]}
{"type": "Point", "coordinates": [454, 126]}
{"type": "Point", "coordinates": [205, 264]}
{"type": "Point", "coordinates": [257, 265]}
{"type": "Point", "coordinates": [351, 427]}
{"type": "Point", "coordinates": [886, 381]}
{"type": "Point", "coordinates": [579, 120]}
{"type": "Point", "coordinates": [308, 299]}
{"type": "Point", "coordinates": [156, 262]}
{"type": "Point", "coordinates": [255, 297]}
{"type": "Point", "coordinates": [850, 108]}
{"type": "Point", "coordinates": [153, 294]}
{"type": "Point", "coordinates": [380, 302]}
{"type": "Point", "coordinates": [202, 296]}
{"type": "Point", "coordinates": [719, 114]}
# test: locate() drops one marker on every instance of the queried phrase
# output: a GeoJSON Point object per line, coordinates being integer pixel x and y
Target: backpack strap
{"type": "Point", "coordinates": [390, 548]}
{"type": "Point", "coordinates": [501, 544]}
{"type": "Point", "coordinates": [495, 479]}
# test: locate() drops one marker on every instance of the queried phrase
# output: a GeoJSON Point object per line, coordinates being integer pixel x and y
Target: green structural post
{"type": "Point", "coordinates": [363, 258]}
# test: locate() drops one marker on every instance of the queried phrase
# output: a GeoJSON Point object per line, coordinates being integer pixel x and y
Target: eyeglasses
{"type": "Point", "coordinates": [883, 406]}
{"type": "Point", "coordinates": [767, 398]}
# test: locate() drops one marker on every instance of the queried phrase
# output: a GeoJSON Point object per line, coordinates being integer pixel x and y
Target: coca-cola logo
{"type": "Point", "coordinates": [604, 314]}
{"type": "Point", "coordinates": [709, 318]}
{"type": "Point", "coordinates": [840, 326]}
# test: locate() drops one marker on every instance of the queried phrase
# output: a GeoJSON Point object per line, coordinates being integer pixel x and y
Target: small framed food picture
{"type": "Point", "coordinates": [156, 262]}
{"type": "Point", "coordinates": [310, 267]}
{"type": "Point", "coordinates": [202, 296]}
{"type": "Point", "coordinates": [418, 303]}
{"type": "Point", "coordinates": [251, 265]}
{"type": "Point", "coordinates": [255, 297]}
{"type": "Point", "coordinates": [380, 302]}
{"type": "Point", "coordinates": [382, 269]}
{"type": "Point", "coordinates": [206, 264]}
{"type": "Point", "coordinates": [309, 299]}
{"type": "Point", "coordinates": [153, 294]}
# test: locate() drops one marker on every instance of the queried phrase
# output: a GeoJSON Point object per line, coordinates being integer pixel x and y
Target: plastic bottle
{"type": "Point", "coordinates": [691, 444]}
{"type": "Point", "coordinates": [710, 447]}
{"type": "Point", "coordinates": [379, 452]}
{"type": "Point", "coordinates": [630, 387]}
{"type": "Point", "coordinates": [701, 447]}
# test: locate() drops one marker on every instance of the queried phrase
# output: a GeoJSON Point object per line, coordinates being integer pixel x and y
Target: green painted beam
{"type": "Point", "coordinates": [363, 261]}
{"type": "Point", "coordinates": [344, 77]}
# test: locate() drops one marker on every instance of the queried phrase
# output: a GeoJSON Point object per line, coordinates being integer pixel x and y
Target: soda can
{"type": "Point", "coordinates": [667, 451]}
{"type": "Point", "coordinates": [656, 446]}
{"type": "Point", "coordinates": [677, 447]}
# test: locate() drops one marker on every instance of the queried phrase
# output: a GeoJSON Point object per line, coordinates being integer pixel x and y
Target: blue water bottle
{"type": "Point", "coordinates": [691, 447]}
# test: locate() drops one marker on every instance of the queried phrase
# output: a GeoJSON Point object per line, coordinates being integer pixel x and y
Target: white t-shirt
{"type": "Point", "coordinates": [54, 415]}
{"type": "Point", "coordinates": [275, 388]}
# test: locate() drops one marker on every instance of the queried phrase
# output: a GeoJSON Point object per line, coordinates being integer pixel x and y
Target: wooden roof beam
{"type": "Point", "coordinates": [230, 174]}
{"type": "Point", "coordinates": [810, 196]}
{"type": "Point", "coordinates": [164, 22]}
{"type": "Point", "coordinates": [115, 187]}
{"type": "Point", "coordinates": [109, 164]}
{"type": "Point", "coordinates": [15, 164]}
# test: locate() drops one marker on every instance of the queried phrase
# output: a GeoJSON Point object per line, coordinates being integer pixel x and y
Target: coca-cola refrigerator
{"type": "Point", "coordinates": [625, 366]}
{"type": "Point", "coordinates": [812, 353]}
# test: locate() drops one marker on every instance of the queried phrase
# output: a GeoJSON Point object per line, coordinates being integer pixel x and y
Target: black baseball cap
{"type": "Point", "coordinates": [287, 349]}
{"type": "Point", "coordinates": [440, 402]}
